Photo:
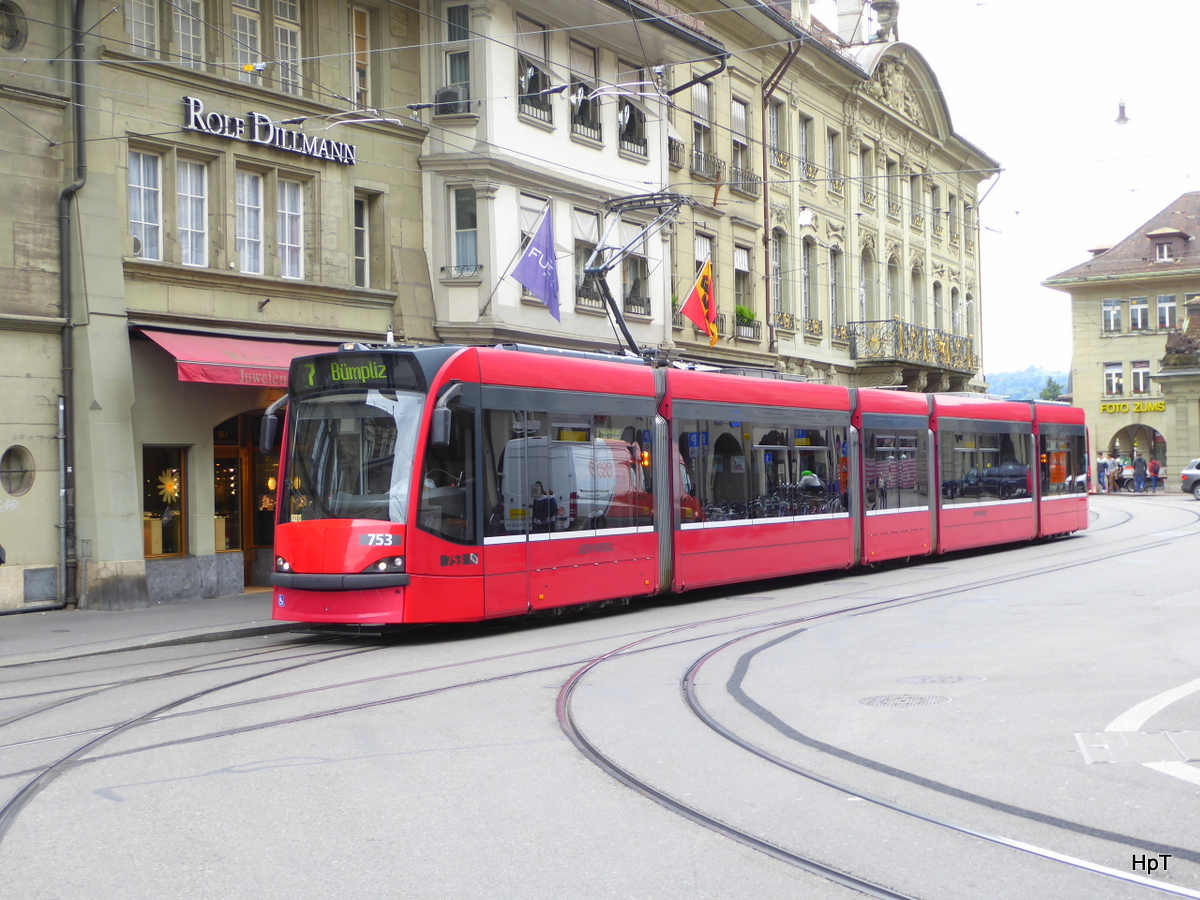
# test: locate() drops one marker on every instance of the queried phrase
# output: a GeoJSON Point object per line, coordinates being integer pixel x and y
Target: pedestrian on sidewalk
{"type": "Point", "coordinates": [1101, 474]}
{"type": "Point", "coordinates": [1139, 473]}
{"type": "Point", "coordinates": [1153, 469]}
{"type": "Point", "coordinates": [1114, 473]}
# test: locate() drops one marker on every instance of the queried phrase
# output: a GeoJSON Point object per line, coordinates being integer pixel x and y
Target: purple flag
{"type": "Point", "coordinates": [537, 270]}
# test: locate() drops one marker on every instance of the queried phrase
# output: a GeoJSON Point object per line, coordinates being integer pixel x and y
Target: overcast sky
{"type": "Point", "coordinates": [1036, 86]}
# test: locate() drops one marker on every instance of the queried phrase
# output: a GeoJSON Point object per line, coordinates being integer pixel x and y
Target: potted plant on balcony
{"type": "Point", "coordinates": [745, 320]}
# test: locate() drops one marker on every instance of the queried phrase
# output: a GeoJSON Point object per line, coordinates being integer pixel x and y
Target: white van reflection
{"type": "Point", "coordinates": [549, 485]}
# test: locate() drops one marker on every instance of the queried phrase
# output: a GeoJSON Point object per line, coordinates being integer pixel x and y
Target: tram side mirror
{"type": "Point", "coordinates": [439, 434]}
{"type": "Point", "coordinates": [266, 433]}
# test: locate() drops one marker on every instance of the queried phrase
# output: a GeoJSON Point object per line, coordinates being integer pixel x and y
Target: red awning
{"type": "Point", "coordinates": [227, 360]}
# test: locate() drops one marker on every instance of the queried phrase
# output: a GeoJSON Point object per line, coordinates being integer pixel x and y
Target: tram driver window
{"type": "Point", "coordinates": [448, 482]}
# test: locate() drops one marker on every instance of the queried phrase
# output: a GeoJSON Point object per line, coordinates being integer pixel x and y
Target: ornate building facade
{"type": "Point", "coordinates": [202, 190]}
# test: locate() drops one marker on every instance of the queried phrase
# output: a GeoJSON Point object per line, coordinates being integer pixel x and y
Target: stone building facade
{"type": "Point", "coordinates": [202, 190]}
{"type": "Point", "coordinates": [1133, 370]}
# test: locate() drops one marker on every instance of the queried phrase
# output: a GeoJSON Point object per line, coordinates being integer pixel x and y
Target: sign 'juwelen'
{"type": "Point", "coordinates": [257, 128]}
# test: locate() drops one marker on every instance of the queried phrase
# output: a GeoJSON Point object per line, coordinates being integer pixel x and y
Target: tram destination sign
{"type": "Point", "coordinates": [257, 128]}
{"type": "Point", "coordinates": [354, 371]}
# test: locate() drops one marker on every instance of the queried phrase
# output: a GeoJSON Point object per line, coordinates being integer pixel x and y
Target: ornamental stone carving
{"type": "Point", "coordinates": [892, 86]}
{"type": "Point", "coordinates": [883, 378]}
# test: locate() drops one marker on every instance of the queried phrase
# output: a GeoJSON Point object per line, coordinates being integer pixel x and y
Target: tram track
{"type": "Point", "coordinates": [688, 682]}
{"type": "Point", "coordinates": [41, 777]}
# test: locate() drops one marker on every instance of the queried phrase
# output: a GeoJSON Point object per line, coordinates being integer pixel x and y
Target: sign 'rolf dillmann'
{"type": "Point", "coordinates": [257, 128]}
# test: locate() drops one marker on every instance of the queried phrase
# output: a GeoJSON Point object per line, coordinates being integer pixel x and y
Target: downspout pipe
{"type": "Point", "coordinates": [768, 90]}
{"type": "Point", "coordinates": [68, 563]}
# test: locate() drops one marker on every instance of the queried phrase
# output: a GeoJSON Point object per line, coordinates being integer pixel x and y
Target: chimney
{"type": "Point", "coordinates": [852, 21]}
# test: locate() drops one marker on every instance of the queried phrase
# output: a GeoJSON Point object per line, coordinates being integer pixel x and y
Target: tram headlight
{"type": "Point", "coordinates": [387, 564]}
{"type": "Point", "coordinates": [282, 565]}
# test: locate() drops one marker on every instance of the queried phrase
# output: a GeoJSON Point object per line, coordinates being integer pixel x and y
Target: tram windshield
{"type": "Point", "coordinates": [351, 456]}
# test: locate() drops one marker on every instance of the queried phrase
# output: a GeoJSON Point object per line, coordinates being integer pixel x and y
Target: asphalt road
{"type": "Point", "coordinates": [1013, 723]}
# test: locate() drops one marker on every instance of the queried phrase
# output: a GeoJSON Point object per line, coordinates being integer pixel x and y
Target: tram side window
{"type": "Point", "coordinates": [895, 467]}
{"type": "Point", "coordinates": [448, 482]}
{"type": "Point", "coordinates": [748, 470]}
{"type": "Point", "coordinates": [1063, 462]}
{"type": "Point", "coordinates": [981, 466]}
{"type": "Point", "coordinates": [566, 471]}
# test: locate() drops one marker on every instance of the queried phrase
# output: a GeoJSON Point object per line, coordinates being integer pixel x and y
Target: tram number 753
{"type": "Point", "coordinates": [378, 540]}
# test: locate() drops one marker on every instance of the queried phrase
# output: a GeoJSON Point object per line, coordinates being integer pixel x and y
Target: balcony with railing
{"type": "Point", "coordinates": [707, 165]}
{"type": "Point", "coordinates": [633, 143]}
{"type": "Point", "coordinates": [780, 159]}
{"type": "Point", "coordinates": [892, 341]}
{"type": "Point", "coordinates": [747, 330]}
{"type": "Point", "coordinates": [588, 297]}
{"type": "Point", "coordinates": [536, 106]}
{"type": "Point", "coordinates": [636, 305]}
{"type": "Point", "coordinates": [586, 126]}
{"type": "Point", "coordinates": [814, 328]}
{"type": "Point", "coordinates": [675, 151]}
{"type": "Point", "coordinates": [745, 181]}
{"type": "Point", "coordinates": [785, 321]}
{"type": "Point", "coordinates": [457, 272]}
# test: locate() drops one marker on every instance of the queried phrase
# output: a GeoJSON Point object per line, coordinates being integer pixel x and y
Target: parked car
{"type": "Point", "coordinates": [1191, 478]}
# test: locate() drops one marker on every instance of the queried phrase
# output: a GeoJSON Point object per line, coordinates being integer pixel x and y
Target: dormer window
{"type": "Point", "coordinates": [1163, 252]}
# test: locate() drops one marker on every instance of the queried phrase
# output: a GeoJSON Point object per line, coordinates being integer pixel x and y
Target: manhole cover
{"type": "Point", "coordinates": [943, 679]}
{"type": "Point", "coordinates": [903, 700]}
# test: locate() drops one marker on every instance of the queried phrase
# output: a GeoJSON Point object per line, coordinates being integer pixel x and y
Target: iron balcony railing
{"type": "Point", "coordinates": [745, 181]}
{"type": "Point", "coordinates": [749, 330]}
{"type": "Point", "coordinates": [675, 153]}
{"type": "Point", "coordinates": [637, 306]}
{"type": "Point", "coordinates": [785, 321]}
{"type": "Point", "coordinates": [706, 165]}
{"type": "Point", "coordinates": [905, 342]}
{"type": "Point", "coordinates": [634, 144]}
{"type": "Point", "coordinates": [536, 106]}
{"type": "Point", "coordinates": [814, 328]}
{"type": "Point", "coordinates": [588, 296]}
{"type": "Point", "coordinates": [472, 271]}
{"type": "Point", "coordinates": [587, 127]}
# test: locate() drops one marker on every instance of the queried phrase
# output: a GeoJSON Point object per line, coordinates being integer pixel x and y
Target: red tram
{"type": "Point", "coordinates": [463, 483]}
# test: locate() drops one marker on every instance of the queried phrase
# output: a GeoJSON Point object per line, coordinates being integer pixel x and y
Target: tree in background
{"type": "Point", "coordinates": [1052, 391]}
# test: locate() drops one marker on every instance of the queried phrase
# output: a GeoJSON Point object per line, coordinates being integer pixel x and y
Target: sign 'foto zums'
{"type": "Point", "coordinates": [257, 128]}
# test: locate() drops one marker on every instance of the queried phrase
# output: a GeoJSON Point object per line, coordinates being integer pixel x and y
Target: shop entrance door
{"type": "Point", "coordinates": [244, 480]}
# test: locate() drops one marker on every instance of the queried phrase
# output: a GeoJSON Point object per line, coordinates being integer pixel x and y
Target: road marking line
{"type": "Point", "coordinates": [1135, 718]}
